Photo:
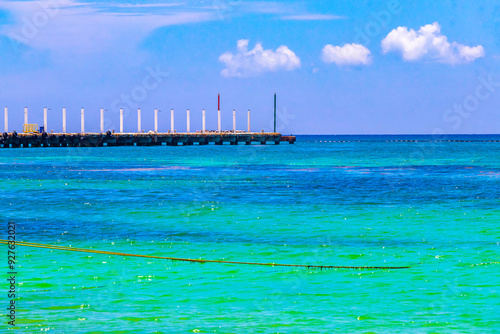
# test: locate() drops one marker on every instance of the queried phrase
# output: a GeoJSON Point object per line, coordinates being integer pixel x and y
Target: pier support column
{"type": "Point", "coordinates": [218, 115]}
{"type": "Point", "coordinates": [234, 121]}
{"type": "Point", "coordinates": [203, 121]}
{"type": "Point", "coordinates": [172, 120]}
{"type": "Point", "coordinates": [218, 121]}
{"type": "Point", "coordinates": [83, 121]}
{"type": "Point", "coordinates": [6, 119]}
{"type": "Point", "coordinates": [156, 120]}
{"type": "Point", "coordinates": [188, 119]}
{"type": "Point", "coordinates": [102, 120]}
{"type": "Point", "coordinates": [274, 112]}
{"type": "Point", "coordinates": [64, 120]}
{"type": "Point", "coordinates": [121, 120]}
{"type": "Point", "coordinates": [45, 128]}
{"type": "Point", "coordinates": [139, 126]}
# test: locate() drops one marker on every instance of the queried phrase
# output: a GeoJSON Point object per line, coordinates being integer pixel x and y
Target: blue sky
{"type": "Point", "coordinates": [338, 67]}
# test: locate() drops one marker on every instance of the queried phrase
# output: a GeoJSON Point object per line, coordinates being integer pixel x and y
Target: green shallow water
{"type": "Point", "coordinates": [328, 200]}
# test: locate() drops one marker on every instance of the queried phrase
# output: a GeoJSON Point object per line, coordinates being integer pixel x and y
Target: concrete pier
{"type": "Point", "coordinates": [14, 139]}
{"type": "Point", "coordinates": [32, 136]}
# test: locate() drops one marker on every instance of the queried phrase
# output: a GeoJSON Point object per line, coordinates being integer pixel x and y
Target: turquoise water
{"type": "Point", "coordinates": [327, 200]}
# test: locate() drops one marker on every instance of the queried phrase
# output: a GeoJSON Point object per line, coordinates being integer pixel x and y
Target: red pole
{"type": "Point", "coordinates": [218, 108]}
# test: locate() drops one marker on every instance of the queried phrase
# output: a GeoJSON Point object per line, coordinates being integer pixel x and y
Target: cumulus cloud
{"type": "Point", "coordinates": [247, 63]}
{"type": "Point", "coordinates": [349, 54]}
{"type": "Point", "coordinates": [428, 42]}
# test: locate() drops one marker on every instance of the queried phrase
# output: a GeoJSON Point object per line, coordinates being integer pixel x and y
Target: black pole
{"type": "Point", "coordinates": [274, 112]}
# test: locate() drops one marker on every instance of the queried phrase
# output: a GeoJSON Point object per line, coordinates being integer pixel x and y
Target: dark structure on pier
{"type": "Point", "coordinates": [44, 139]}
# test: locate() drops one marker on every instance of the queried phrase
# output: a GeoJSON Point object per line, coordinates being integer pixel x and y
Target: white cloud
{"type": "Point", "coordinates": [264, 7]}
{"type": "Point", "coordinates": [63, 25]}
{"type": "Point", "coordinates": [312, 17]}
{"type": "Point", "coordinates": [428, 42]}
{"type": "Point", "coordinates": [243, 7]}
{"type": "Point", "coordinates": [256, 61]}
{"type": "Point", "coordinates": [349, 54]}
{"type": "Point", "coordinates": [147, 5]}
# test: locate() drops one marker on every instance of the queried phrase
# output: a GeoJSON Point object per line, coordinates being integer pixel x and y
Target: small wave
{"type": "Point", "coordinates": [481, 264]}
{"type": "Point", "coordinates": [148, 169]}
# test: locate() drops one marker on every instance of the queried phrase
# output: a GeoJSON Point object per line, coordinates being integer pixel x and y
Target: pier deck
{"type": "Point", "coordinates": [13, 139]}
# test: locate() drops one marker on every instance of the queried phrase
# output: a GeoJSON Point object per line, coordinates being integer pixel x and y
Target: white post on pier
{"type": "Point", "coordinates": [6, 119]}
{"type": "Point", "coordinates": [218, 121]}
{"type": "Point", "coordinates": [83, 121]}
{"type": "Point", "coordinates": [172, 120]}
{"type": "Point", "coordinates": [188, 121]}
{"type": "Point", "coordinates": [218, 113]}
{"type": "Point", "coordinates": [248, 121]}
{"type": "Point", "coordinates": [121, 120]}
{"type": "Point", "coordinates": [156, 120]}
{"type": "Point", "coordinates": [45, 128]}
{"type": "Point", "coordinates": [234, 120]}
{"type": "Point", "coordinates": [203, 123]}
{"type": "Point", "coordinates": [139, 120]}
{"type": "Point", "coordinates": [102, 120]}
{"type": "Point", "coordinates": [25, 115]}
{"type": "Point", "coordinates": [64, 121]}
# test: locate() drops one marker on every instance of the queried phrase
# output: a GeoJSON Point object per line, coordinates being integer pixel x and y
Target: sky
{"type": "Point", "coordinates": [337, 67]}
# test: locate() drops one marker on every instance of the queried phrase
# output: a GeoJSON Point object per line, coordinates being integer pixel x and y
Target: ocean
{"type": "Point", "coordinates": [426, 202]}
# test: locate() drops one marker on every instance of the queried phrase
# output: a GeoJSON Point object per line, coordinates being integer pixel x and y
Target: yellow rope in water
{"type": "Point", "coordinates": [84, 250]}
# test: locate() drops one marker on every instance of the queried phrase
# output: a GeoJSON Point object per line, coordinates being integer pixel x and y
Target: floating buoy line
{"type": "Point", "coordinates": [406, 141]}
{"type": "Point", "coordinates": [175, 259]}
